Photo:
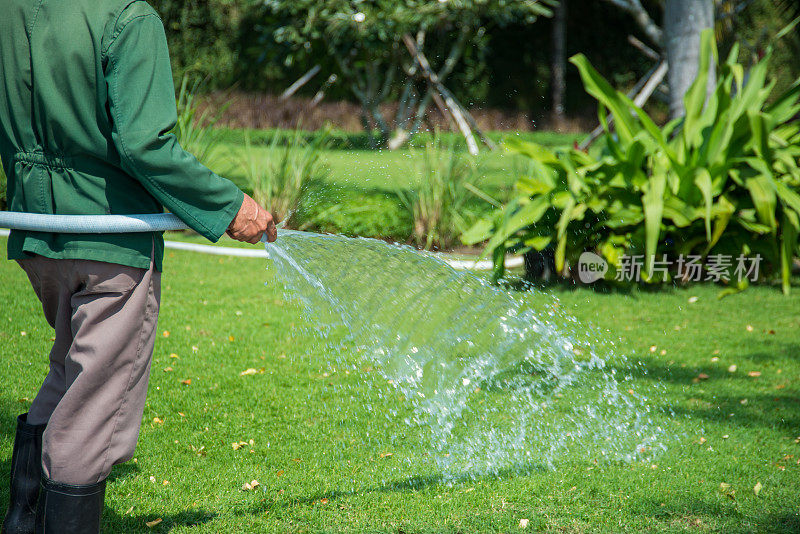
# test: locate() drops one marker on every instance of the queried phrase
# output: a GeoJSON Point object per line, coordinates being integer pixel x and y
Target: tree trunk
{"type": "Point", "coordinates": [684, 21]}
{"type": "Point", "coordinates": [558, 65]}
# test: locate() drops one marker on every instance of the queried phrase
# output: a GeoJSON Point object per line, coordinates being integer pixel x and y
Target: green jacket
{"type": "Point", "coordinates": [86, 101]}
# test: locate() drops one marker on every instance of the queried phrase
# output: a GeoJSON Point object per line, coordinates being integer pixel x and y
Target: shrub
{"type": "Point", "coordinates": [721, 180]}
{"type": "Point", "coordinates": [279, 174]}
{"type": "Point", "coordinates": [438, 205]}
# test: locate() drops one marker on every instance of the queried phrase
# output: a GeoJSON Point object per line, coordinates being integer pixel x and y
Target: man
{"type": "Point", "coordinates": [86, 101]}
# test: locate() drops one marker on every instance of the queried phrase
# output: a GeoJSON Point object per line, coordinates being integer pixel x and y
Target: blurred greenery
{"type": "Point", "coordinates": [224, 42]}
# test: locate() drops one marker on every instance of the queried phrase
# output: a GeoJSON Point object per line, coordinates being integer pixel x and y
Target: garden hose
{"type": "Point", "coordinates": [160, 222]}
{"type": "Point", "coordinates": [90, 224]}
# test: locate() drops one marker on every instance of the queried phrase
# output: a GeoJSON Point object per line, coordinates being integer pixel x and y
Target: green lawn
{"type": "Point", "coordinates": [219, 319]}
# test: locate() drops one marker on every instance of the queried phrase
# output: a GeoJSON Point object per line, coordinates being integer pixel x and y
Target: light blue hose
{"type": "Point", "coordinates": [90, 224]}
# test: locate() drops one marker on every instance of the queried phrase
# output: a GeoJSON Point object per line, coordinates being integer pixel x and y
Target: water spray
{"type": "Point", "coordinates": [488, 381]}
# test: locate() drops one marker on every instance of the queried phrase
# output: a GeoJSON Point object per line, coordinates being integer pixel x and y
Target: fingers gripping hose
{"type": "Point", "coordinates": [90, 224]}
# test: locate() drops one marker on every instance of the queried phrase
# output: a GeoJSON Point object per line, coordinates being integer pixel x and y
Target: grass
{"type": "Point", "coordinates": [188, 475]}
{"type": "Point", "coordinates": [362, 192]}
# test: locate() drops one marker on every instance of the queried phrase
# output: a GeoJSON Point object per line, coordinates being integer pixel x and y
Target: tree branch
{"type": "Point", "coordinates": [642, 18]}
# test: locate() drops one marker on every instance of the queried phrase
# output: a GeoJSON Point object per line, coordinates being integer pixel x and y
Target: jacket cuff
{"type": "Point", "coordinates": [224, 218]}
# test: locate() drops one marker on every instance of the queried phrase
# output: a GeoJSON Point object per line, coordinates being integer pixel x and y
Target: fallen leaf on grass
{"type": "Point", "coordinates": [238, 445]}
{"type": "Point", "coordinates": [252, 371]}
{"type": "Point", "coordinates": [187, 382]}
{"type": "Point", "coordinates": [166, 333]}
{"type": "Point", "coordinates": [174, 356]}
{"type": "Point", "coordinates": [323, 501]}
{"type": "Point", "coordinates": [754, 374]}
{"type": "Point", "coordinates": [757, 488]}
{"type": "Point", "coordinates": [726, 489]}
{"type": "Point", "coordinates": [151, 524]}
{"type": "Point", "coordinates": [386, 454]}
{"type": "Point", "coordinates": [703, 376]}
{"type": "Point", "coordinates": [168, 369]}
{"type": "Point", "coordinates": [158, 421]}
{"type": "Point", "coordinates": [253, 484]}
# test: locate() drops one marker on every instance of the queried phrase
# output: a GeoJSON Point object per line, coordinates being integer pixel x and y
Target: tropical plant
{"type": "Point", "coordinates": [721, 179]}
{"type": "Point", "coordinates": [280, 172]}
{"type": "Point", "coordinates": [439, 203]}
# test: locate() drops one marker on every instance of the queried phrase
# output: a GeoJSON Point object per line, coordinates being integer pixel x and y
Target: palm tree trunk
{"type": "Point", "coordinates": [684, 21]}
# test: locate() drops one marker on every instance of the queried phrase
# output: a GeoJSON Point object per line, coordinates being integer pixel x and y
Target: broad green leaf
{"type": "Point", "coordinates": [653, 204]}
{"type": "Point", "coordinates": [702, 180]}
{"type": "Point", "coordinates": [679, 212]}
{"type": "Point", "coordinates": [759, 129]}
{"type": "Point", "coordinates": [788, 196]}
{"type": "Point", "coordinates": [599, 88]}
{"type": "Point", "coordinates": [724, 210]}
{"type": "Point", "coordinates": [533, 186]}
{"type": "Point", "coordinates": [480, 231]}
{"type": "Point", "coordinates": [786, 30]}
{"type": "Point", "coordinates": [790, 228]}
{"type": "Point", "coordinates": [561, 249]}
{"type": "Point", "coordinates": [695, 98]}
{"type": "Point", "coordinates": [752, 226]}
{"type": "Point", "coordinates": [786, 105]}
{"type": "Point", "coordinates": [530, 149]}
{"type": "Point", "coordinates": [527, 215]}
{"type": "Point", "coordinates": [538, 242]}
{"type": "Point", "coordinates": [762, 192]}
{"type": "Point", "coordinates": [560, 199]}
{"type": "Point", "coordinates": [566, 217]}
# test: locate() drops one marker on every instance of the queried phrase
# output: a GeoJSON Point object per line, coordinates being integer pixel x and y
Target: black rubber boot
{"type": "Point", "coordinates": [26, 474]}
{"type": "Point", "coordinates": [68, 509]}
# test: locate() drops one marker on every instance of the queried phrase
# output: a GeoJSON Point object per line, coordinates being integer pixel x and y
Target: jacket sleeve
{"type": "Point", "coordinates": [141, 99]}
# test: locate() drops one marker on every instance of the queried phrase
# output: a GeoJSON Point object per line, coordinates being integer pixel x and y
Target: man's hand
{"type": "Point", "coordinates": [251, 222]}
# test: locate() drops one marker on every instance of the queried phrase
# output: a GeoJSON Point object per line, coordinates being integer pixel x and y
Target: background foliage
{"type": "Point", "coordinates": [227, 42]}
{"type": "Point", "coordinates": [721, 180]}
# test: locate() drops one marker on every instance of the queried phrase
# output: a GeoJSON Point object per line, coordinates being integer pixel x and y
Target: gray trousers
{"type": "Point", "coordinates": [93, 397]}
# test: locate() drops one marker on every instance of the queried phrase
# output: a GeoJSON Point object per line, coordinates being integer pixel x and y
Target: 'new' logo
{"type": "Point", "coordinates": [591, 267]}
